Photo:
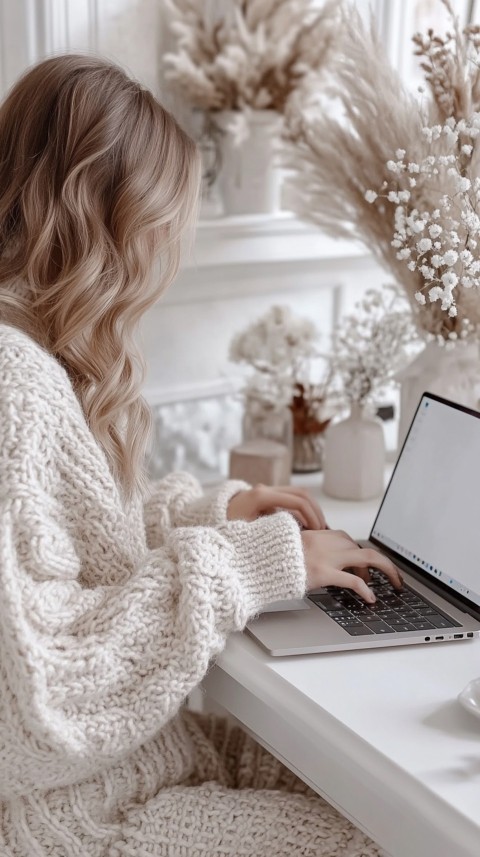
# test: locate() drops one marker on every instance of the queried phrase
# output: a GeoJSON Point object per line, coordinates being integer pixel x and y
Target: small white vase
{"type": "Point", "coordinates": [451, 373]}
{"type": "Point", "coordinates": [354, 457]}
{"type": "Point", "coordinates": [249, 178]}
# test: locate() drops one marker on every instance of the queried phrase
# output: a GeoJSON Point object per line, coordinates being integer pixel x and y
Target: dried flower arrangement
{"type": "Point", "coordinates": [239, 54]}
{"type": "Point", "coordinates": [397, 172]}
{"type": "Point", "coordinates": [280, 347]}
{"type": "Point", "coordinates": [371, 345]}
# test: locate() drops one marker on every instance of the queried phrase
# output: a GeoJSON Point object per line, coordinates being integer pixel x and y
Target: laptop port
{"type": "Point", "coordinates": [427, 639]}
{"type": "Point", "coordinates": [439, 638]}
{"type": "Point", "coordinates": [457, 636]}
{"type": "Point", "coordinates": [470, 634]}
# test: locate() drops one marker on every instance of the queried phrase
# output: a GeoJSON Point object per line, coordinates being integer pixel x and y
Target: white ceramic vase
{"type": "Point", "coordinates": [354, 457]}
{"type": "Point", "coordinates": [249, 178]}
{"type": "Point", "coordinates": [451, 373]}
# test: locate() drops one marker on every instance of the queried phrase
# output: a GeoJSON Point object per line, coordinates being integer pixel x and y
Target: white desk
{"type": "Point", "coordinates": [378, 733]}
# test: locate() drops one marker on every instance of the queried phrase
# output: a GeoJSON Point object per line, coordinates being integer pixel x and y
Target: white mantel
{"type": "Point", "coordinates": [254, 255]}
{"type": "Point", "coordinates": [258, 238]}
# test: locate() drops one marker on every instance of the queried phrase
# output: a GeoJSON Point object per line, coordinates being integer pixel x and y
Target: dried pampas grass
{"type": "Point", "coordinates": [335, 157]}
{"type": "Point", "coordinates": [246, 53]}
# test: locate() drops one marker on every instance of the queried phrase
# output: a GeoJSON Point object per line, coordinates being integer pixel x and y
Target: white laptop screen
{"type": "Point", "coordinates": [430, 512]}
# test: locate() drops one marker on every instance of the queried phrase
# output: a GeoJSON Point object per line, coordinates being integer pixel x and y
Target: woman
{"type": "Point", "coordinates": [114, 595]}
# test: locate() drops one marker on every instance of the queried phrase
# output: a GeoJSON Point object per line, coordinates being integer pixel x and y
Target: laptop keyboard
{"type": "Point", "coordinates": [395, 611]}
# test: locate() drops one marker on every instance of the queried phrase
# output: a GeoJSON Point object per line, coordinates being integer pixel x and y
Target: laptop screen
{"type": "Point", "coordinates": [430, 512]}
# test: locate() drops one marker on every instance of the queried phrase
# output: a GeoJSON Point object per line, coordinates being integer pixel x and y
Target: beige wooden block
{"type": "Point", "coordinates": [261, 460]}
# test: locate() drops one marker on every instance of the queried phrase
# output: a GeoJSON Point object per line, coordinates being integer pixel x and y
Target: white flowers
{"type": "Point", "coordinates": [438, 244]}
{"type": "Point", "coordinates": [369, 345]}
{"type": "Point", "coordinates": [450, 257]}
{"type": "Point", "coordinates": [275, 341]}
{"type": "Point", "coordinates": [435, 293]}
{"type": "Point", "coordinates": [424, 245]}
{"type": "Point", "coordinates": [449, 280]}
{"type": "Point", "coordinates": [279, 347]}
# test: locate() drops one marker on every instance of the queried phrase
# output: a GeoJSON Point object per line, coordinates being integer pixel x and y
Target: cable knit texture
{"type": "Point", "coordinates": [110, 614]}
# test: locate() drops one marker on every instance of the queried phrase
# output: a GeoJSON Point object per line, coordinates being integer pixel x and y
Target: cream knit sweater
{"type": "Point", "coordinates": [109, 615]}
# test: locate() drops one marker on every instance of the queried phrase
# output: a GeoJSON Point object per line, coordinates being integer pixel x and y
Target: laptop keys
{"type": "Point", "coordinates": [358, 630]}
{"type": "Point", "coordinates": [394, 611]}
{"type": "Point", "coordinates": [423, 626]}
{"type": "Point", "coordinates": [402, 627]}
{"type": "Point", "coordinates": [442, 622]}
{"type": "Point", "coordinates": [378, 627]}
{"type": "Point", "coordinates": [325, 601]}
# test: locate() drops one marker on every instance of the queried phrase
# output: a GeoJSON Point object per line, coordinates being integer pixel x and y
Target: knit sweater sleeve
{"type": "Point", "coordinates": [102, 638]}
{"type": "Point", "coordinates": [178, 501]}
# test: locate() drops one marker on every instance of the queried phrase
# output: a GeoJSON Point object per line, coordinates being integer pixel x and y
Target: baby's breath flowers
{"type": "Point", "coordinates": [440, 239]}
{"type": "Point", "coordinates": [370, 345]}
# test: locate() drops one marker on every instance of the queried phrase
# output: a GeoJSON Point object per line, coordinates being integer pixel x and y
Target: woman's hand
{"type": "Point", "coordinates": [263, 500]}
{"type": "Point", "coordinates": [329, 553]}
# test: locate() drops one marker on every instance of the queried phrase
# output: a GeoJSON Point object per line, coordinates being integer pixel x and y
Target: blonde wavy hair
{"type": "Point", "coordinates": [97, 180]}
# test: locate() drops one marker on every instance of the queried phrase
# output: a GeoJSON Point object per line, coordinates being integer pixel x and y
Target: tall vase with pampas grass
{"type": "Point", "coordinates": [239, 61]}
{"type": "Point", "coordinates": [400, 173]}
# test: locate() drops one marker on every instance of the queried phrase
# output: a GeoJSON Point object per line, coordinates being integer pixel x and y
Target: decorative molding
{"type": "Point", "coordinates": [160, 396]}
{"type": "Point", "coordinates": [252, 280]}
{"type": "Point", "coordinates": [33, 29]}
{"type": "Point", "coordinates": [69, 25]}
{"type": "Point", "coordinates": [93, 20]}
{"type": "Point", "coordinates": [3, 38]}
{"type": "Point", "coordinates": [55, 26]}
{"type": "Point", "coordinates": [19, 28]}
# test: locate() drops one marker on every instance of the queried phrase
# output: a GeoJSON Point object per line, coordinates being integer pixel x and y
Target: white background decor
{"type": "Point", "coordinates": [239, 267]}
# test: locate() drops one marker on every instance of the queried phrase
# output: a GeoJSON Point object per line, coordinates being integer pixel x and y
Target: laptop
{"type": "Point", "coordinates": [428, 524]}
